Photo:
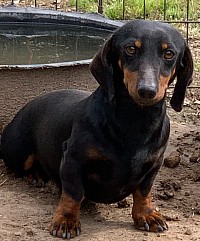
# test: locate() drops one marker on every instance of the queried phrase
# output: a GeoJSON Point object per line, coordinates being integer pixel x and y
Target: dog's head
{"type": "Point", "coordinates": [146, 56]}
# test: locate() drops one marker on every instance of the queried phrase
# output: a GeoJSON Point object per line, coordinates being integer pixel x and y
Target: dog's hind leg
{"type": "Point", "coordinates": [19, 164]}
{"type": "Point", "coordinates": [17, 148]}
{"type": "Point", "coordinates": [36, 173]}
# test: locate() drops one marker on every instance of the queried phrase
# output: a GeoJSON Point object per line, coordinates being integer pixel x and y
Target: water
{"type": "Point", "coordinates": [43, 44]}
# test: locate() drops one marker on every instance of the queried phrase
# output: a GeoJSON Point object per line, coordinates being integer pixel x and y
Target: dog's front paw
{"type": "Point", "coordinates": [149, 220]}
{"type": "Point", "coordinates": [65, 226]}
{"type": "Point", "coordinates": [144, 214]}
{"type": "Point", "coordinates": [65, 223]}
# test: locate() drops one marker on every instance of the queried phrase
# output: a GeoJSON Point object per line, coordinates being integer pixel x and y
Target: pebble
{"type": "Point", "coordinates": [99, 219]}
{"type": "Point", "coordinates": [187, 193]}
{"type": "Point", "coordinates": [188, 232]}
{"type": "Point", "coordinates": [172, 160]}
{"type": "Point", "coordinates": [123, 204]}
{"type": "Point", "coordinates": [30, 232]}
{"type": "Point", "coordinates": [197, 138]}
{"type": "Point", "coordinates": [196, 175]}
{"type": "Point", "coordinates": [169, 194]}
{"type": "Point", "coordinates": [18, 234]}
{"type": "Point", "coordinates": [194, 158]}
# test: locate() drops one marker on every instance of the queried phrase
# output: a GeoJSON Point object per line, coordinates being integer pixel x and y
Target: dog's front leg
{"type": "Point", "coordinates": [143, 213]}
{"type": "Point", "coordinates": [65, 223]}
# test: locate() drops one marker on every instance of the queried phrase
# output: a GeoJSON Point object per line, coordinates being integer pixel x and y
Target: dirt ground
{"type": "Point", "coordinates": [26, 211]}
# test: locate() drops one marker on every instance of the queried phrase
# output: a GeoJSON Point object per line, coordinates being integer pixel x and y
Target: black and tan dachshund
{"type": "Point", "coordinates": [110, 144]}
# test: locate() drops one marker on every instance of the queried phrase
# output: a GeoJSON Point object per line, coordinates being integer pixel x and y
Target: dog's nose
{"type": "Point", "coordinates": [146, 93]}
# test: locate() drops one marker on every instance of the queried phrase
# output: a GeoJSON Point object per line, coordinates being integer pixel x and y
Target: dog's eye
{"type": "Point", "coordinates": [130, 50]}
{"type": "Point", "coordinates": [169, 54]}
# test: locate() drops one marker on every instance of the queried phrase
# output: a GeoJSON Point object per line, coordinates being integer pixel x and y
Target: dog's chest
{"type": "Point", "coordinates": [111, 178]}
{"type": "Point", "coordinates": [114, 166]}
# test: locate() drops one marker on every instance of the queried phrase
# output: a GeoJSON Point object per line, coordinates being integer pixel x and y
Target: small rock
{"type": "Point", "coordinates": [163, 196]}
{"type": "Point", "coordinates": [30, 232]}
{"type": "Point", "coordinates": [123, 204]}
{"type": "Point", "coordinates": [194, 158]}
{"type": "Point", "coordinates": [180, 150]}
{"type": "Point", "coordinates": [197, 210]}
{"type": "Point", "coordinates": [196, 175]}
{"type": "Point", "coordinates": [172, 218]}
{"type": "Point", "coordinates": [186, 134]}
{"type": "Point", "coordinates": [187, 194]}
{"type": "Point", "coordinates": [188, 232]}
{"type": "Point", "coordinates": [172, 160]}
{"type": "Point", "coordinates": [169, 194]}
{"type": "Point", "coordinates": [197, 138]}
{"type": "Point", "coordinates": [99, 219]}
{"type": "Point", "coordinates": [176, 186]}
{"type": "Point", "coordinates": [18, 234]}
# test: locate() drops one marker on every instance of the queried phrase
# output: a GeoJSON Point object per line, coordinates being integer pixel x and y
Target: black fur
{"type": "Point", "coordinates": [125, 140]}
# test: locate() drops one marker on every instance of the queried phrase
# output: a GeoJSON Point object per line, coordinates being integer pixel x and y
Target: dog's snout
{"type": "Point", "coordinates": [146, 93]}
{"type": "Point", "coordinates": [147, 85]}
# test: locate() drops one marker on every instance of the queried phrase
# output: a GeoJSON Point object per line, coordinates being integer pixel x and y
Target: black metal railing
{"type": "Point", "coordinates": [188, 21]}
{"type": "Point", "coordinates": [100, 9]}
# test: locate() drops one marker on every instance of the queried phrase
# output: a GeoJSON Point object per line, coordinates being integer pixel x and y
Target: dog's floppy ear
{"type": "Point", "coordinates": [184, 78]}
{"type": "Point", "coordinates": [101, 68]}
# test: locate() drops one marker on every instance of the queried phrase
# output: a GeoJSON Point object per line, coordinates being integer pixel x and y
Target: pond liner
{"type": "Point", "coordinates": [12, 14]}
{"type": "Point", "coordinates": [21, 83]}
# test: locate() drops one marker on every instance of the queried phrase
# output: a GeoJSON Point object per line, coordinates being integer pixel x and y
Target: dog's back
{"type": "Point", "coordinates": [33, 121]}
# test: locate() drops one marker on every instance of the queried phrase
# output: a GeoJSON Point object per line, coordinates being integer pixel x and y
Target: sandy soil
{"type": "Point", "coordinates": [26, 211]}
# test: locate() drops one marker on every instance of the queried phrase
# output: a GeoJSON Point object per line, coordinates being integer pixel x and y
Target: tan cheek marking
{"type": "Point", "coordinates": [130, 81]}
{"type": "Point", "coordinates": [164, 46]}
{"type": "Point", "coordinates": [29, 162]}
{"type": "Point", "coordinates": [173, 72]}
{"type": "Point", "coordinates": [138, 43]}
{"type": "Point", "coordinates": [163, 84]}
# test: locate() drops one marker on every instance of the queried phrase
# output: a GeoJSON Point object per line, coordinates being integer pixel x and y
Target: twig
{"type": "Point", "coordinates": [1, 184]}
{"type": "Point", "coordinates": [190, 87]}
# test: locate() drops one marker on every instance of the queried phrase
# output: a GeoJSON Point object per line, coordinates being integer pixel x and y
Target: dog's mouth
{"type": "Point", "coordinates": [143, 103]}
{"type": "Point", "coordinates": [135, 98]}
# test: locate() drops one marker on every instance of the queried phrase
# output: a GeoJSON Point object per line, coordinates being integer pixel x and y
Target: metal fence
{"type": "Point", "coordinates": [100, 9]}
{"type": "Point", "coordinates": [187, 22]}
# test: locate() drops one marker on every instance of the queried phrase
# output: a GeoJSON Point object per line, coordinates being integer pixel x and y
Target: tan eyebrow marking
{"type": "Point", "coordinates": [138, 43]}
{"type": "Point", "coordinates": [164, 45]}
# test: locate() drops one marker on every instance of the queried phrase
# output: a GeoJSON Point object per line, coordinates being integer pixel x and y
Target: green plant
{"type": "Point", "coordinates": [175, 9]}
{"type": "Point", "coordinates": [197, 66]}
